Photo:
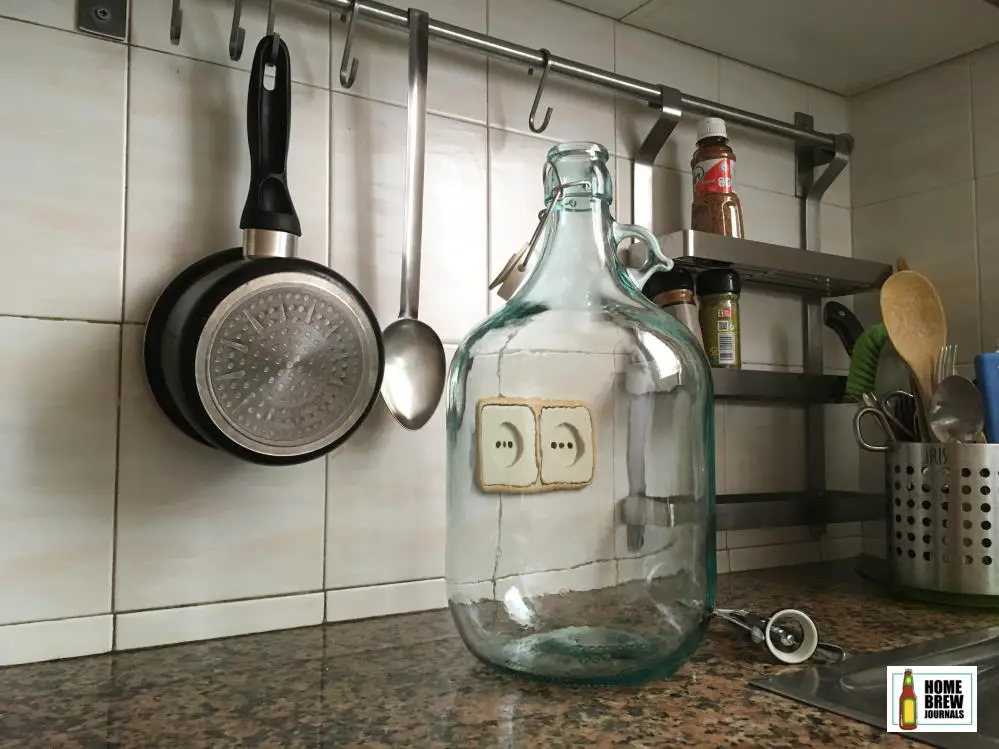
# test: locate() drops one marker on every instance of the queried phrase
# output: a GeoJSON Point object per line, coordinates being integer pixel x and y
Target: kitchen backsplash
{"type": "Point", "coordinates": [925, 188]}
{"type": "Point", "coordinates": [124, 163]}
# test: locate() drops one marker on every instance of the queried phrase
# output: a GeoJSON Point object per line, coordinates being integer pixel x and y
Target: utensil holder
{"type": "Point", "coordinates": [943, 520]}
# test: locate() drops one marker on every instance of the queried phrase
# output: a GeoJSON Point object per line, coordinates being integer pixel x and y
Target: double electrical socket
{"type": "Point", "coordinates": [529, 445]}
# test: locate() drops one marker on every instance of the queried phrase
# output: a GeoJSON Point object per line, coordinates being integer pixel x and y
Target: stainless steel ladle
{"type": "Point", "coordinates": [414, 355]}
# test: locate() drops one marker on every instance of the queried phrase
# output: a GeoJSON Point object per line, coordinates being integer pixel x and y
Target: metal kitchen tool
{"type": "Point", "coordinates": [415, 366]}
{"type": "Point", "coordinates": [943, 517]}
{"type": "Point", "coordinates": [946, 364]}
{"type": "Point", "coordinates": [272, 358]}
{"type": "Point", "coordinates": [789, 634]}
{"type": "Point", "coordinates": [956, 412]}
{"type": "Point", "coordinates": [857, 687]}
{"type": "Point", "coordinates": [894, 416]}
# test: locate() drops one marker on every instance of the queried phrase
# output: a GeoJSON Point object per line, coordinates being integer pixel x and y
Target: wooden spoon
{"type": "Point", "coordinates": [916, 325]}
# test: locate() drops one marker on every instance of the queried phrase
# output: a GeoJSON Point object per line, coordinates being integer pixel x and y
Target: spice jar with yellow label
{"type": "Point", "coordinates": [718, 290]}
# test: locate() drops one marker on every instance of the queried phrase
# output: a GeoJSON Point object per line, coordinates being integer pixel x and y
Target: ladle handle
{"type": "Point", "coordinates": [416, 147]}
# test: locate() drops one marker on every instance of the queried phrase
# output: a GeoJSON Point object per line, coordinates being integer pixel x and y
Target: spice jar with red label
{"type": "Point", "coordinates": [716, 208]}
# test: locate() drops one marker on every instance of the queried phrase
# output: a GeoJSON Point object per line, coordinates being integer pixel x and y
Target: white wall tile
{"type": "Point", "coordinates": [216, 529]}
{"type": "Point", "coordinates": [475, 517]}
{"type": "Point", "coordinates": [842, 455]}
{"type": "Point", "coordinates": [761, 161]}
{"type": "Point", "coordinates": [769, 536]}
{"type": "Point", "coordinates": [935, 232]}
{"type": "Point", "coordinates": [722, 563]}
{"type": "Point", "coordinates": [62, 189]}
{"type": "Point", "coordinates": [721, 449]}
{"type": "Point", "coordinates": [842, 548]}
{"type": "Point", "coordinates": [764, 450]}
{"type": "Point", "coordinates": [146, 629]}
{"type": "Point", "coordinates": [761, 557]}
{"type": "Point", "coordinates": [52, 640]}
{"type": "Point", "coordinates": [913, 134]}
{"type": "Point", "coordinates": [58, 423]}
{"type": "Point", "coordinates": [873, 529]}
{"type": "Point", "coordinates": [516, 193]}
{"type": "Point", "coordinates": [844, 530]}
{"type": "Point", "coordinates": [770, 216]}
{"type": "Point", "coordinates": [456, 78]}
{"type": "Point", "coordinates": [385, 600]}
{"type": "Point", "coordinates": [368, 213]}
{"type": "Point", "coordinates": [60, 14]}
{"type": "Point", "coordinates": [874, 547]}
{"type": "Point", "coordinates": [771, 328]}
{"type": "Point", "coordinates": [580, 111]}
{"type": "Point", "coordinates": [649, 57]}
{"type": "Point", "coordinates": [985, 108]}
{"type": "Point", "coordinates": [189, 169]}
{"type": "Point", "coordinates": [371, 509]}
{"type": "Point", "coordinates": [207, 23]}
{"type": "Point", "coordinates": [672, 194]}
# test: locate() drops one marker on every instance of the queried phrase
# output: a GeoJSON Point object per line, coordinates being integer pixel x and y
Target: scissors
{"type": "Point", "coordinates": [894, 415]}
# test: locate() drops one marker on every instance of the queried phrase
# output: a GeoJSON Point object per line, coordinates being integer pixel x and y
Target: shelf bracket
{"type": "Point", "coordinates": [670, 112]}
{"type": "Point", "coordinates": [809, 188]}
{"type": "Point", "coordinates": [107, 18]}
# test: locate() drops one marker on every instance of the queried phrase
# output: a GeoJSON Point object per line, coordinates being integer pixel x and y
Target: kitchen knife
{"type": "Point", "coordinates": [841, 319]}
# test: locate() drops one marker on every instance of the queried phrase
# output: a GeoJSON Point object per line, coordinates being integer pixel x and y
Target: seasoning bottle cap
{"type": "Point", "coordinates": [718, 281]}
{"type": "Point", "coordinates": [711, 127]}
{"type": "Point", "coordinates": [673, 280]}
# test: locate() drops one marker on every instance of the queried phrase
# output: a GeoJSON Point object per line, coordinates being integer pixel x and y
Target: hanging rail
{"type": "Point", "coordinates": [370, 11]}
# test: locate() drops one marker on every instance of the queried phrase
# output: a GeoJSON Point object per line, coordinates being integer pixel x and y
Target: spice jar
{"type": "Point", "coordinates": [580, 457]}
{"type": "Point", "coordinates": [719, 292]}
{"type": "Point", "coordinates": [673, 291]}
{"type": "Point", "coordinates": [716, 208]}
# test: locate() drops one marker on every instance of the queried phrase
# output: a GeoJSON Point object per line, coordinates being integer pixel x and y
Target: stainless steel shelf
{"type": "Point", "coordinates": [743, 511]}
{"type": "Point", "coordinates": [774, 265]}
{"type": "Point", "coordinates": [777, 387]}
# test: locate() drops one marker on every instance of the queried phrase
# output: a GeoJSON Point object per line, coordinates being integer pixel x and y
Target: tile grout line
{"type": "Point", "coordinates": [329, 261]}
{"type": "Point", "coordinates": [121, 338]}
{"type": "Point", "coordinates": [974, 212]}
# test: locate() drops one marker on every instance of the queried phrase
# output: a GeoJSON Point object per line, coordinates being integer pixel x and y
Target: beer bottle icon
{"type": "Point", "coordinates": [907, 703]}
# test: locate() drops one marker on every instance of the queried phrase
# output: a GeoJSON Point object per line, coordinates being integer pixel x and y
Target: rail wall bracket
{"type": "Point", "coordinates": [670, 112]}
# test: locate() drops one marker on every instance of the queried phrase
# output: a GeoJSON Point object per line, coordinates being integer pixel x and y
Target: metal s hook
{"type": "Point", "coordinates": [176, 22]}
{"type": "Point", "coordinates": [546, 56]}
{"type": "Point", "coordinates": [238, 34]}
{"type": "Point", "coordinates": [348, 63]}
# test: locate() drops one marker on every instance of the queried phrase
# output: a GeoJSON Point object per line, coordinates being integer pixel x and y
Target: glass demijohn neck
{"type": "Point", "coordinates": [577, 261]}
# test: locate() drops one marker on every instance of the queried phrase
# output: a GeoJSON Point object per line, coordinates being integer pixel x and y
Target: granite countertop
{"type": "Point", "coordinates": [409, 681]}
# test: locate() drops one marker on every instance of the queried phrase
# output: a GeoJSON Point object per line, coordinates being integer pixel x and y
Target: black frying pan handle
{"type": "Point", "coordinates": [268, 126]}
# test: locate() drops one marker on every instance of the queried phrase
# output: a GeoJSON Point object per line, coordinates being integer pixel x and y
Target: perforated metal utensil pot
{"type": "Point", "coordinates": [270, 357]}
{"type": "Point", "coordinates": [942, 517]}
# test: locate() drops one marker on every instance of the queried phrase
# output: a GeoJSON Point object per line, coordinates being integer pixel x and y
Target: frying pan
{"type": "Point", "coordinates": [253, 351]}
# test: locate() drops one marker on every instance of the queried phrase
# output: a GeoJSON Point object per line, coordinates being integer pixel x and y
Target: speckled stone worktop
{"type": "Point", "coordinates": [408, 681]}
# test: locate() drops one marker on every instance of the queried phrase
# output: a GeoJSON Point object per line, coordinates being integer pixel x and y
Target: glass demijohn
{"type": "Point", "coordinates": [580, 538]}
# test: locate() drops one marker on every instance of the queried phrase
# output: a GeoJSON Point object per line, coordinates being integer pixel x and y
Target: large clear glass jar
{"type": "Point", "coordinates": [580, 541]}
